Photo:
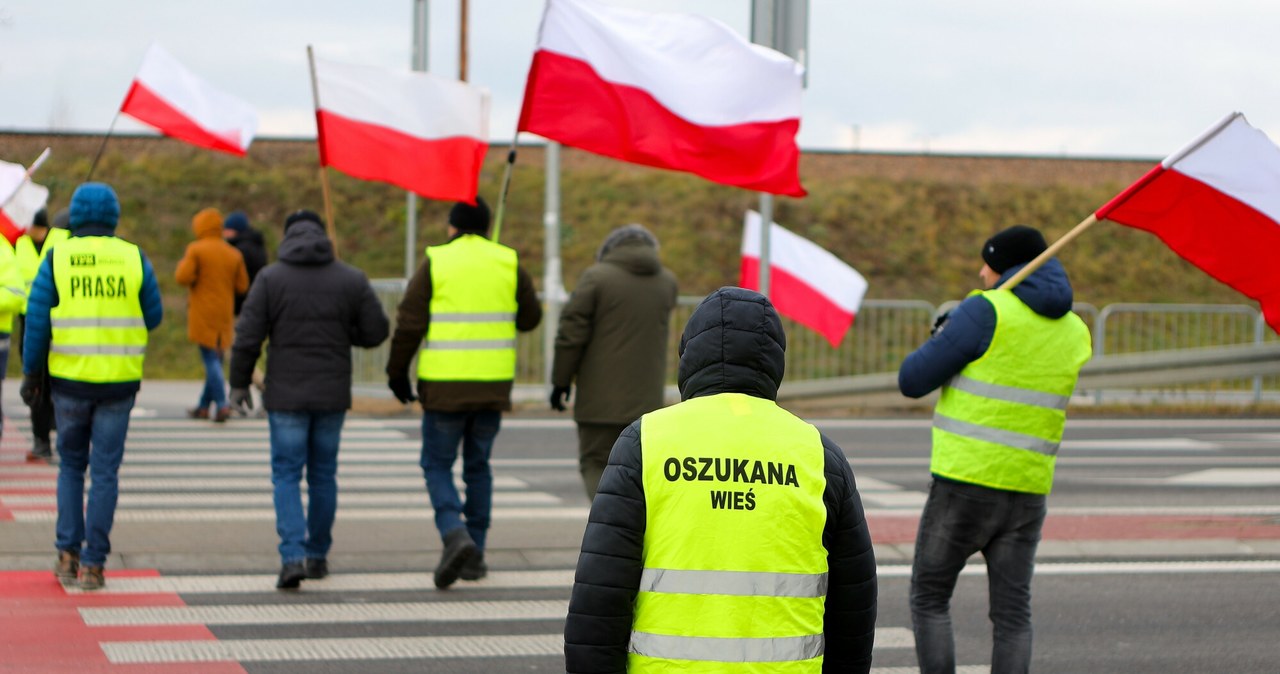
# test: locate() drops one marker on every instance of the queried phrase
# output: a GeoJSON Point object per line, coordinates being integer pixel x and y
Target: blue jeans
{"type": "Point", "coordinates": [215, 386]}
{"type": "Point", "coordinates": [90, 435]}
{"type": "Point", "coordinates": [958, 521]}
{"type": "Point", "coordinates": [305, 440]}
{"type": "Point", "coordinates": [441, 433]}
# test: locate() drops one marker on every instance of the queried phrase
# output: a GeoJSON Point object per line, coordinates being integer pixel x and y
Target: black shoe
{"type": "Point", "coordinates": [41, 450]}
{"type": "Point", "coordinates": [291, 576]}
{"type": "Point", "coordinates": [316, 568]}
{"type": "Point", "coordinates": [458, 548]}
{"type": "Point", "coordinates": [475, 568]}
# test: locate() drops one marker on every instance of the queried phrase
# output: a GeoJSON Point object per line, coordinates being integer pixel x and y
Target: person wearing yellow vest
{"type": "Point", "coordinates": [726, 535]}
{"type": "Point", "coordinates": [91, 306]}
{"type": "Point", "coordinates": [31, 249]}
{"type": "Point", "coordinates": [13, 297]}
{"type": "Point", "coordinates": [459, 315]}
{"type": "Point", "coordinates": [1007, 362]}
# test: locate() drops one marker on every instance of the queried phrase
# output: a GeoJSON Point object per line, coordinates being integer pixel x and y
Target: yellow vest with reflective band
{"type": "Point", "coordinates": [29, 259]}
{"type": "Point", "coordinates": [999, 421]}
{"type": "Point", "coordinates": [13, 293]}
{"type": "Point", "coordinates": [472, 333]}
{"type": "Point", "coordinates": [99, 335]}
{"type": "Point", "coordinates": [735, 572]}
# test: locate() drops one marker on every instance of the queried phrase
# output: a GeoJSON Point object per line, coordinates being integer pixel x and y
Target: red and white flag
{"type": "Point", "coordinates": [807, 283]}
{"type": "Point", "coordinates": [180, 105]}
{"type": "Point", "coordinates": [675, 91]}
{"type": "Point", "coordinates": [415, 130]}
{"type": "Point", "coordinates": [21, 200]}
{"type": "Point", "coordinates": [1216, 202]}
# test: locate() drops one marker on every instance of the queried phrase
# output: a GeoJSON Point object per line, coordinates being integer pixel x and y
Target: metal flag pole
{"type": "Point", "coordinates": [102, 146]}
{"type": "Point", "coordinates": [25, 177]}
{"type": "Point", "coordinates": [420, 17]}
{"type": "Point", "coordinates": [324, 175]}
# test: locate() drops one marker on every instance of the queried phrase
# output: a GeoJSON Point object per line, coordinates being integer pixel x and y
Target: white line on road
{"type": "Point", "coordinates": [362, 648]}
{"type": "Point", "coordinates": [345, 499]}
{"type": "Point", "coordinates": [268, 515]}
{"type": "Point", "coordinates": [302, 614]}
{"type": "Point", "coordinates": [1229, 477]}
{"type": "Point", "coordinates": [169, 484]}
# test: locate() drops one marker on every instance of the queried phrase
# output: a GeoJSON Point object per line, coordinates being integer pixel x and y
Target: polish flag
{"type": "Point", "coordinates": [180, 105]}
{"type": "Point", "coordinates": [675, 91]}
{"type": "Point", "coordinates": [21, 200]}
{"type": "Point", "coordinates": [414, 130]}
{"type": "Point", "coordinates": [806, 283]}
{"type": "Point", "coordinates": [1216, 202]}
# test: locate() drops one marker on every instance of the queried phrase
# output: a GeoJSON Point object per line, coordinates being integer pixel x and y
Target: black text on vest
{"type": "Point", "coordinates": [717, 469]}
{"type": "Point", "coordinates": [733, 500]}
{"type": "Point", "coordinates": [86, 286]}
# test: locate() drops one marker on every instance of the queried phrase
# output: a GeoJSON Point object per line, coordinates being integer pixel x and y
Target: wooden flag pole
{"type": "Point", "coordinates": [25, 177]}
{"type": "Point", "coordinates": [102, 147]}
{"type": "Point", "coordinates": [329, 227]}
{"type": "Point", "coordinates": [1048, 253]}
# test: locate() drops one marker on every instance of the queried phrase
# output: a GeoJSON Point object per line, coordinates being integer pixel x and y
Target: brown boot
{"type": "Point", "coordinates": [91, 578]}
{"type": "Point", "coordinates": [67, 566]}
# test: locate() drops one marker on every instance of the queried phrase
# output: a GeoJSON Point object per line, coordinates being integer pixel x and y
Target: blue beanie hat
{"type": "Point", "coordinates": [237, 221]}
{"type": "Point", "coordinates": [96, 204]}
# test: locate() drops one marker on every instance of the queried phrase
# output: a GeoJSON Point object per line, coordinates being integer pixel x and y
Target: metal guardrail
{"type": "Point", "coordinates": [1161, 349]}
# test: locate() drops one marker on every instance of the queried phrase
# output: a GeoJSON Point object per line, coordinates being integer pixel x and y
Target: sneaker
{"type": "Point", "coordinates": [91, 578]}
{"type": "Point", "coordinates": [198, 413]}
{"type": "Point", "coordinates": [475, 568]}
{"type": "Point", "coordinates": [68, 566]}
{"type": "Point", "coordinates": [291, 576]}
{"type": "Point", "coordinates": [224, 413]}
{"type": "Point", "coordinates": [41, 450]}
{"type": "Point", "coordinates": [315, 568]}
{"type": "Point", "coordinates": [458, 548]}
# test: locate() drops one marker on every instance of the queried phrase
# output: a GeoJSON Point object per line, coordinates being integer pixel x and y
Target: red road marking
{"type": "Point", "coordinates": [896, 529]}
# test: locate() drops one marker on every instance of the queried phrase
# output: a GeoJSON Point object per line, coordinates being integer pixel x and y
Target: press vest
{"type": "Point", "coordinates": [99, 334]}
{"type": "Point", "coordinates": [999, 421]}
{"type": "Point", "coordinates": [735, 572]}
{"type": "Point", "coordinates": [472, 333]}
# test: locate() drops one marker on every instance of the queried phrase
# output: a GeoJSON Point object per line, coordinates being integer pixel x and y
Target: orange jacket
{"type": "Point", "coordinates": [215, 273]}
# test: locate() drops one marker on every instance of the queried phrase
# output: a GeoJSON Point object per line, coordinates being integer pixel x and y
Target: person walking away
{"type": "Point", "coordinates": [614, 328]}
{"type": "Point", "coordinates": [214, 272]}
{"type": "Point", "coordinates": [727, 535]}
{"type": "Point", "coordinates": [314, 309]}
{"type": "Point", "coordinates": [31, 250]}
{"type": "Point", "coordinates": [468, 299]}
{"type": "Point", "coordinates": [13, 297]}
{"type": "Point", "coordinates": [92, 304]}
{"type": "Point", "coordinates": [1007, 362]}
{"type": "Point", "coordinates": [237, 231]}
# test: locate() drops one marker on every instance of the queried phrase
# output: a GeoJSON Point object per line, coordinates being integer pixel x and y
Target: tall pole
{"type": "Point", "coordinates": [462, 40]}
{"type": "Point", "coordinates": [766, 228]}
{"type": "Point", "coordinates": [330, 227]}
{"type": "Point", "coordinates": [419, 63]}
{"type": "Point", "coordinates": [552, 285]}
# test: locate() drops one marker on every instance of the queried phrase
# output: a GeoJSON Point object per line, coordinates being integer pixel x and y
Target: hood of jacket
{"type": "Point", "coordinates": [634, 256]}
{"type": "Point", "coordinates": [249, 235]}
{"type": "Point", "coordinates": [207, 224]}
{"type": "Point", "coordinates": [305, 243]}
{"type": "Point", "coordinates": [1047, 291]}
{"type": "Point", "coordinates": [733, 343]}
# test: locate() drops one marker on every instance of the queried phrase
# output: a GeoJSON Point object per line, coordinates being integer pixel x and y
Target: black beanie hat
{"type": "Point", "coordinates": [467, 218]}
{"type": "Point", "coordinates": [41, 219]}
{"type": "Point", "coordinates": [1014, 246]}
{"type": "Point", "coordinates": [301, 215]}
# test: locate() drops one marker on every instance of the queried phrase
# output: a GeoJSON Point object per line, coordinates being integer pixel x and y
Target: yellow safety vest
{"type": "Point", "coordinates": [99, 334]}
{"type": "Point", "coordinates": [999, 421]}
{"type": "Point", "coordinates": [472, 334]}
{"type": "Point", "coordinates": [29, 259]}
{"type": "Point", "coordinates": [735, 572]}
{"type": "Point", "coordinates": [13, 294]}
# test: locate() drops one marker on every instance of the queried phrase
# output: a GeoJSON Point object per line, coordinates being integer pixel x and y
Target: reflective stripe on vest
{"type": "Point", "coordinates": [999, 422]}
{"type": "Point", "coordinates": [735, 572]}
{"type": "Point", "coordinates": [98, 331]}
{"type": "Point", "coordinates": [472, 333]}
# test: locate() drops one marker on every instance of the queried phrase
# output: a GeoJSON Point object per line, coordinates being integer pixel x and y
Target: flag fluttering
{"type": "Point", "coordinates": [675, 91]}
{"type": "Point", "coordinates": [419, 131]}
{"type": "Point", "coordinates": [169, 97]}
{"type": "Point", "coordinates": [21, 200]}
{"type": "Point", "coordinates": [1216, 203]}
{"type": "Point", "coordinates": [807, 283]}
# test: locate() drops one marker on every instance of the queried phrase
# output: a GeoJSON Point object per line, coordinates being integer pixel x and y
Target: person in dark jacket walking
{"type": "Point", "coordinates": [312, 308]}
{"type": "Point", "coordinates": [614, 328]}
{"type": "Point", "coordinates": [460, 314]}
{"type": "Point", "coordinates": [237, 232]}
{"type": "Point", "coordinates": [725, 531]}
{"type": "Point", "coordinates": [1007, 362]}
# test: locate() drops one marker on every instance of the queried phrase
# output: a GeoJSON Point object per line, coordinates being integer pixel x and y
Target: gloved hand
{"type": "Point", "coordinates": [401, 388]}
{"type": "Point", "coordinates": [240, 398]}
{"type": "Point", "coordinates": [559, 396]}
{"type": "Point", "coordinates": [939, 323]}
{"type": "Point", "coordinates": [30, 389]}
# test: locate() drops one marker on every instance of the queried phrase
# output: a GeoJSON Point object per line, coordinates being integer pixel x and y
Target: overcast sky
{"type": "Point", "coordinates": [1109, 78]}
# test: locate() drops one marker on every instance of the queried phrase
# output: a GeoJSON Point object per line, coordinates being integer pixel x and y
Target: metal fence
{"type": "Point", "coordinates": [885, 331]}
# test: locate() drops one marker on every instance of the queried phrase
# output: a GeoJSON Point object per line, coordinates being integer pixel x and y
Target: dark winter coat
{"type": "Point", "coordinates": [733, 344]}
{"type": "Point", "coordinates": [968, 329]}
{"type": "Point", "coordinates": [413, 317]}
{"type": "Point", "coordinates": [254, 251]}
{"type": "Point", "coordinates": [311, 309]}
{"type": "Point", "coordinates": [613, 333]}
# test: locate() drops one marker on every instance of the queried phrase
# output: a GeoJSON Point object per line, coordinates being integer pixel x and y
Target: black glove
{"type": "Point", "coordinates": [240, 398]}
{"type": "Point", "coordinates": [939, 323]}
{"type": "Point", "coordinates": [559, 396]}
{"type": "Point", "coordinates": [30, 390]}
{"type": "Point", "coordinates": [401, 388]}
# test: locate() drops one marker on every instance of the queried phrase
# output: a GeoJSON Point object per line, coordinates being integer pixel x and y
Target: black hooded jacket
{"type": "Point", "coordinates": [313, 309]}
{"type": "Point", "coordinates": [733, 343]}
{"type": "Point", "coordinates": [254, 251]}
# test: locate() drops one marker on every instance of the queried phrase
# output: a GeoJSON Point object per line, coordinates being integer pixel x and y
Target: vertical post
{"type": "Point", "coordinates": [552, 285]}
{"type": "Point", "coordinates": [330, 227]}
{"type": "Point", "coordinates": [420, 15]}
{"type": "Point", "coordinates": [462, 40]}
{"type": "Point", "coordinates": [766, 228]}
